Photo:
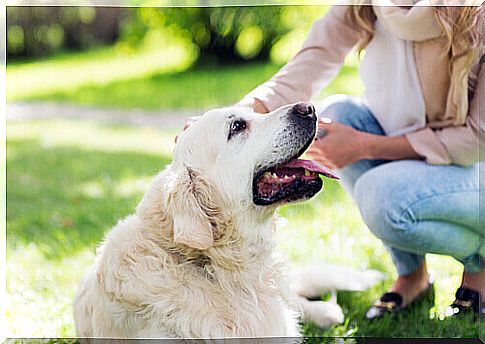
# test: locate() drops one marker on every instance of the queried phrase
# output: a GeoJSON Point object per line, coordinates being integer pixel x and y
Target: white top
{"type": "Point", "coordinates": [393, 91]}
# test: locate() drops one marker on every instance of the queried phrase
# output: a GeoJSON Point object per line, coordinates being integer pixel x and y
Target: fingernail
{"type": "Point", "coordinates": [321, 133]}
{"type": "Point", "coordinates": [325, 120]}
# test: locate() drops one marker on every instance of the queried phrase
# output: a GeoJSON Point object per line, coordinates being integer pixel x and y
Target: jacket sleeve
{"type": "Point", "coordinates": [462, 145]}
{"type": "Point", "coordinates": [314, 66]}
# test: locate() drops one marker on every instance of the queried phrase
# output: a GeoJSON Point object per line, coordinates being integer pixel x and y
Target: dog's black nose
{"type": "Point", "coordinates": [303, 109]}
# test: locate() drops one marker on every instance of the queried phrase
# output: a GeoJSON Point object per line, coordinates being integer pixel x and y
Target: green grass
{"type": "Point", "coordinates": [147, 80]}
{"type": "Point", "coordinates": [68, 182]}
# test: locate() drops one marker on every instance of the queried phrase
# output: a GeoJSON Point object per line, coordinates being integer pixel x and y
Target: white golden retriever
{"type": "Point", "coordinates": [196, 260]}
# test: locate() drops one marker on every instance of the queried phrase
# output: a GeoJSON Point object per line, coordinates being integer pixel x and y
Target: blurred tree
{"type": "Point", "coordinates": [224, 33]}
{"type": "Point", "coordinates": [40, 31]}
{"type": "Point", "coordinates": [219, 34]}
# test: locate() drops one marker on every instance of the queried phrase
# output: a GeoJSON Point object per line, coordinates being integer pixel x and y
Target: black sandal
{"type": "Point", "coordinates": [390, 303]}
{"type": "Point", "coordinates": [466, 300]}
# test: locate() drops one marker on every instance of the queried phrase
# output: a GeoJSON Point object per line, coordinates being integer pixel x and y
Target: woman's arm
{"type": "Point", "coordinates": [319, 60]}
{"type": "Point", "coordinates": [388, 148]}
{"type": "Point", "coordinates": [462, 145]}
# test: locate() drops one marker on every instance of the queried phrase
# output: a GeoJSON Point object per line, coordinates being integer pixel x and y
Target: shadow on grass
{"type": "Point", "coordinates": [63, 199]}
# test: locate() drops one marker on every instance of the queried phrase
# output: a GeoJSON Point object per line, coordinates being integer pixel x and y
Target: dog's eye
{"type": "Point", "coordinates": [236, 127]}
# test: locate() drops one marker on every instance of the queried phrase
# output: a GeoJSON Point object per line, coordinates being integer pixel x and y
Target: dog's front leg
{"type": "Point", "coordinates": [322, 313]}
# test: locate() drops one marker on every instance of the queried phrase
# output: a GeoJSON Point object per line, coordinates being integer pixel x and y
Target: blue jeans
{"type": "Point", "coordinates": [413, 207]}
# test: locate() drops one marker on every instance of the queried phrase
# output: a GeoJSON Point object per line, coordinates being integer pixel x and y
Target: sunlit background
{"type": "Point", "coordinates": [95, 97]}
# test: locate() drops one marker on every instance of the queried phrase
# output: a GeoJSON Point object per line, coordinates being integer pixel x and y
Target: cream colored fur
{"type": "Point", "coordinates": [196, 260]}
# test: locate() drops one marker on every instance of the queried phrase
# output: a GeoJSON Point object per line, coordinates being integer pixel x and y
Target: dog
{"type": "Point", "coordinates": [197, 259]}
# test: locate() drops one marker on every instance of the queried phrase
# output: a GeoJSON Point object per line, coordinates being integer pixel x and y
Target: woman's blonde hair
{"type": "Point", "coordinates": [459, 23]}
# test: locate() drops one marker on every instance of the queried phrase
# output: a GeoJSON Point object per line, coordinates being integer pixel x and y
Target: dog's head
{"type": "Point", "coordinates": [235, 161]}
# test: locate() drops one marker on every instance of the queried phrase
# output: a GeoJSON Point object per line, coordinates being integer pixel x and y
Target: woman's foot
{"type": "Point", "coordinates": [475, 282]}
{"type": "Point", "coordinates": [413, 285]}
{"type": "Point", "coordinates": [470, 296]}
{"type": "Point", "coordinates": [404, 291]}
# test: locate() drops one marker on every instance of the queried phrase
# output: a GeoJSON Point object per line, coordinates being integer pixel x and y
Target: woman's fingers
{"type": "Point", "coordinates": [260, 107]}
{"type": "Point", "coordinates": [318, 153]}
{"type": "Point", "coordinates": [321, 133]}
{"type": "Point", "coordinates": [325, 123]}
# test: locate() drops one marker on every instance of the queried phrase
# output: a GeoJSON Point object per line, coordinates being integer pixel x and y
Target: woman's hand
{"type": "Point", "coordinates": [342, 145]}
{"type": "Point", "coordinates": [259, 107]}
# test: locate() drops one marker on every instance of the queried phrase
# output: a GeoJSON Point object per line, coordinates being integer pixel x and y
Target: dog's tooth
{"type": "Point", "coordinates": [275, 176]}
{"type": "Point", "coordinates": [267, 174]}
{"type": "Point", "coordinates": [286, 177]}
{"type": "Point", "coordinates": [307, 173]}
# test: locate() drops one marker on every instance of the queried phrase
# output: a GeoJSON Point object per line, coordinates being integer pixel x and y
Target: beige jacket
{"type": "Point", "coordinates": [444, 140]}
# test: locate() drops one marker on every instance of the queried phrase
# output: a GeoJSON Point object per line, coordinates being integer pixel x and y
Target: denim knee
{"type": "Point", "coordinates": [350, 111]}
{"type": "Point", "coordinates": [418, 208]}
{"type": "Point", "coordinates": [381, 207]}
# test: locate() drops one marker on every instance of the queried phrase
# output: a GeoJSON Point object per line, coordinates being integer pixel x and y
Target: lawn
{"type": "Point", "coordinates": [68, 182]}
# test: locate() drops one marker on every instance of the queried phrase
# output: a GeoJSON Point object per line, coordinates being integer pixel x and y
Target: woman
{"type": "Point", "coordinates": [408, 152]}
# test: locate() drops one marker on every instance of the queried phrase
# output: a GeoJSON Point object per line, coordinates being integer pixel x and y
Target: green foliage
{"type": "Point", "coordinates": [224, 33]}
{"type": "Point", "coordinates": [218, 30]}
{"type": "Point", "coordinates": [41, 31]}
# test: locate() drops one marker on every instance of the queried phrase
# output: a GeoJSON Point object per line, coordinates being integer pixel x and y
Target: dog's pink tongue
{"type": "Point", "coordinates": [312, 166]}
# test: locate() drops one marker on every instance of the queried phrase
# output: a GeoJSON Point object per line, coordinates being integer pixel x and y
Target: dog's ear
{"type": "Point", "coordinates": [192, 206]}
{"type": "Point", "coordinates": [152, 208]}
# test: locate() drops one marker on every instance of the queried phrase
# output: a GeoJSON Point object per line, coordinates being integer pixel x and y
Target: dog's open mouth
{"type": "Point", "coordinates": [295, 180]}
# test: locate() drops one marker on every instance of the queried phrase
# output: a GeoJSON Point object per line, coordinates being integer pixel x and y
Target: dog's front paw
{"type": "Point", "coordinates": [322, 313]}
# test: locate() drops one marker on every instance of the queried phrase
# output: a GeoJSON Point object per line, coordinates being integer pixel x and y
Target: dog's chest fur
{"type": "Point", "coordinates": [151, 287]}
